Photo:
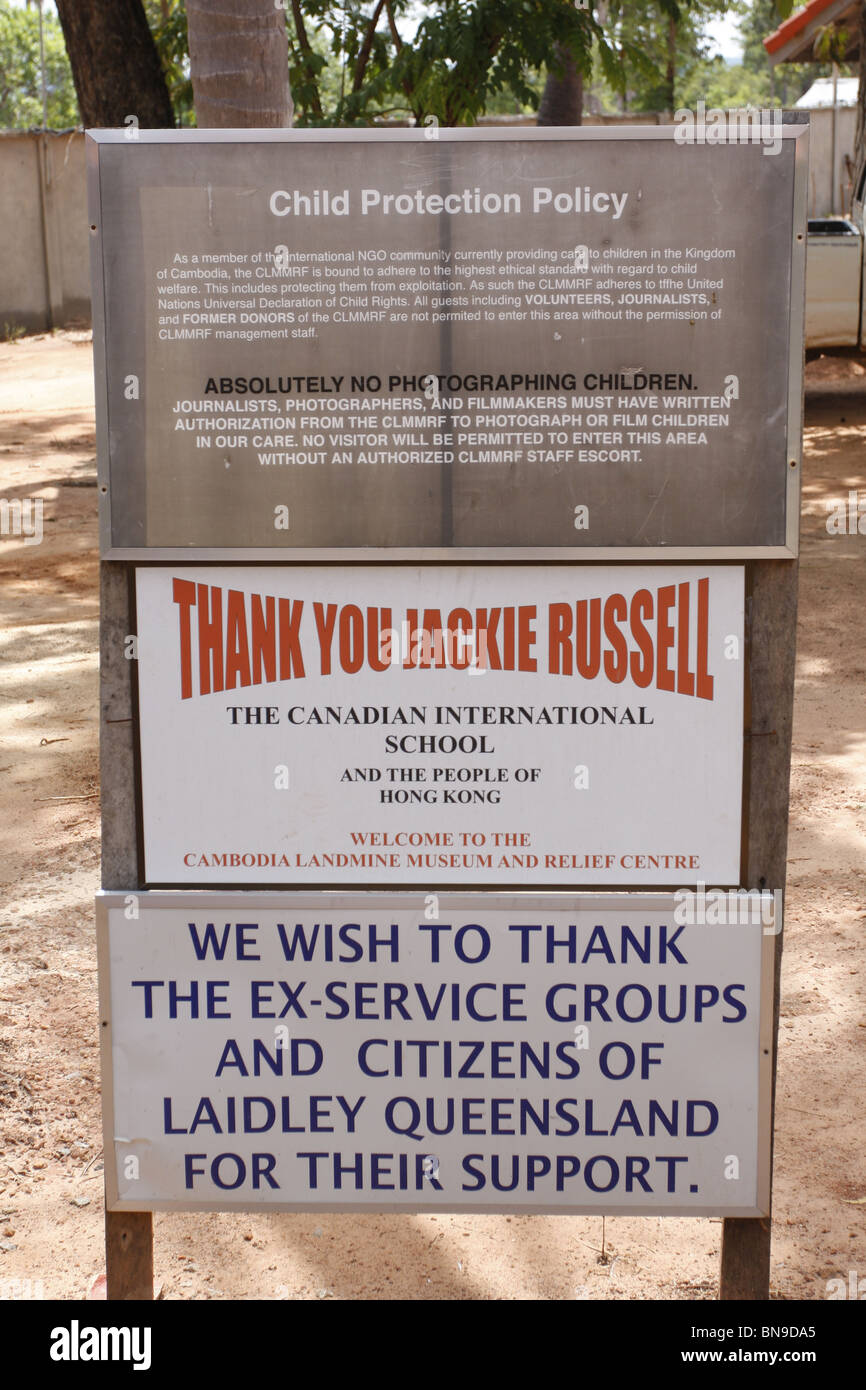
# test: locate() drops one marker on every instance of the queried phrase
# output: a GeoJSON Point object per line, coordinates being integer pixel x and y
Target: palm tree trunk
{"type": "Point", "coordinates": [671, 72]}
{"type": "Point", "coordinates": [562, 99]}
{"type": "Point", "coordinates": [239, 63]}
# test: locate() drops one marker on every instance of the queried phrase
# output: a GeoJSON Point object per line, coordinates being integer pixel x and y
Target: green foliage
{"type": "Point", "coordinates": [355, 61]}
{"type": "Point", "coordinates": [20, 79]}
{"type": "Point", "coordinates": [463, 56]}
{"type": "Point", "coordinates": [775, 86]}
{"type": "Point", "coordinates": [644, 34]}
{"type": "Point", "coordinates": [662, 44]}
{"type": "Point", "coordinates": [726, 87]}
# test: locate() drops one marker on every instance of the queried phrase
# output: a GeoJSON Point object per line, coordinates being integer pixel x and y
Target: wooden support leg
{"type": "Point", "coordinates": [129, 1254]}
{"type": "Point", "coordinates": [745, 1271]}
{"type": "Point", "coordinates": [771, 634]}
{"type": "Point", "coordinates": [128, 1234]}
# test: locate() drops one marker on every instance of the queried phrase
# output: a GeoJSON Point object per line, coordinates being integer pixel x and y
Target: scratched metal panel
{"type": "Point", "coordinates": [489, 467]}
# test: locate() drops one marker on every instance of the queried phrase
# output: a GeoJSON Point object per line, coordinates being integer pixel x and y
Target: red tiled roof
{"type": "Point", "coordinates": [795, 24]}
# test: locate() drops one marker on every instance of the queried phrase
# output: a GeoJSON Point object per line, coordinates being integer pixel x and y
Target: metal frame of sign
{"type": "Point", "coordinates": [796, 132]}
{"type": "Point", "coordinates": [246, 901]}
{"type": "Point", "coordinates": [771, 591]}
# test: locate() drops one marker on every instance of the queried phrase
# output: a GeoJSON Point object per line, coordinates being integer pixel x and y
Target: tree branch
{"type": "Point", "coordinates": [416, 110]}
{"type": "Point", "coordinates": [395, 33]}
{"type": "Point", "coordinates": [306, 49]}
{"type": "Point", "coordinates": [366, 49]}
{"type": "Point", "coordinates": [455, 107]}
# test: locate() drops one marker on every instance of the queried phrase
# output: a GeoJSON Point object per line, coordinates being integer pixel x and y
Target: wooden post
{"type": "Point", "coordinates": [128, 1234]}
{"type": "Point", "coordinates": [129, 1254]}
{"type": "Point", "coordinates": [771, 632]}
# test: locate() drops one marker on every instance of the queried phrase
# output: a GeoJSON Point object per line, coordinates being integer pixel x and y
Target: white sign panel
{"type": "Point", "coordinates": [557, 1053]}
{"type": "Point", "coordinates": [441, 725]}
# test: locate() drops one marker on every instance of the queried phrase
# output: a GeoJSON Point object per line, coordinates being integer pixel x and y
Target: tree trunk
{"type": "Point", "coordinates": [115, 64]}
{"type": "Point", "coordinates": [239, 63]}
{"type": "Point", "coordinates": [562, 99]}
{"type": "Point", "coordinates": [671, 72]}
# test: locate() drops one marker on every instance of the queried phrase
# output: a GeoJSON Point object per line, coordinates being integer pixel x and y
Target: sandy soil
{"type": "Point", "coordinates": [51, 1226]}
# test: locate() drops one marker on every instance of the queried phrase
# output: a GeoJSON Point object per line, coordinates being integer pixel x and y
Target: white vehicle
{"type": "Point", "coordinates": [835, 307]}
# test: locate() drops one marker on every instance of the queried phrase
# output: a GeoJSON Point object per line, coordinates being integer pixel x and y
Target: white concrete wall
{"type": "Point", "coordinates": [44, 251]}
{"type": "Point", "coordinates": [830, 188]}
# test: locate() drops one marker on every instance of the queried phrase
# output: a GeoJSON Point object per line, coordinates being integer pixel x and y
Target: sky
{"type": "Point", "coordinates": [724, 32]}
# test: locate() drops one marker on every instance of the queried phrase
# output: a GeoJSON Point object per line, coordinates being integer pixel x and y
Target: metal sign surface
{"type": "Point", "coordinates": [582, 343]}
{"type": "Point", "coordinates": [375, 1052]}
{"type": "Point", "coordinates": [440, 725]}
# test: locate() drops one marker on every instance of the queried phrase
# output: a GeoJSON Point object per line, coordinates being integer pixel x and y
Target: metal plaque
{"type": "Point", "coordinates": [580, 343]}
{"type": "Point", "coordinates": [528, 1054]}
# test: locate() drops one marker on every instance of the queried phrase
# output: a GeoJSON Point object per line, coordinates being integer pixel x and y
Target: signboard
{"type": "Point", "coordinates": [440, 725]}
{"type": "Point", "coordinates": [575, 343]}
{"type": "Point", "coordinates": [544, 1054]}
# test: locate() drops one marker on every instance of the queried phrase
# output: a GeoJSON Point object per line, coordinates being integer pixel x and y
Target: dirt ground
{"type": "Point", "coordinates": [51, 1223]}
